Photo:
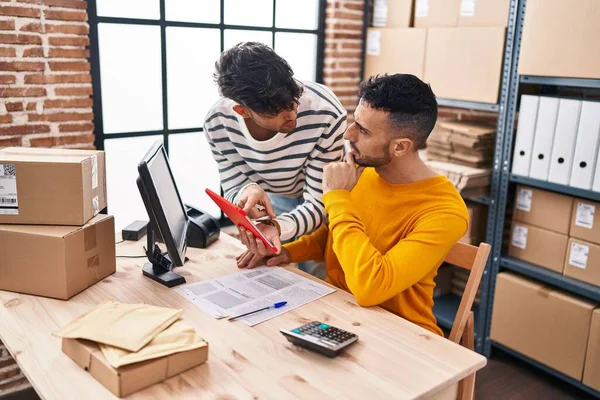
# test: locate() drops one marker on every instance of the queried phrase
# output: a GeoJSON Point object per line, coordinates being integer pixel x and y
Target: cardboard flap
{"type": "Point", "coordinates": [27, 154]}
{"type": "Point", "coordinates": [80, 351]}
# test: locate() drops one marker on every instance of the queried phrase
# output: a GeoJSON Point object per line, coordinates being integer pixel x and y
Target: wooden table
{"type": "Point", "coordinates": [393, 358]}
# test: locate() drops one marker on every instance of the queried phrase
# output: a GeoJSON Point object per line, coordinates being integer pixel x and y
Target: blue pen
{"type": "Point", "coordinates": [276, 305]}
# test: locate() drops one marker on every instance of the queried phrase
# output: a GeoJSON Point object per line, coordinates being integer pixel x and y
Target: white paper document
{"type": "Point", "coordinates": [251, 290]}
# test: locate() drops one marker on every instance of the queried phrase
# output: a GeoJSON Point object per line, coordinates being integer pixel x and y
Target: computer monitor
{"type": "Point", "coordinates": [168, 217]}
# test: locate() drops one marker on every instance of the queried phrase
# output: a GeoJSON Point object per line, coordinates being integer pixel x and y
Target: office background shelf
{"type": "Point", "coordinates": [445, 308]}
{"type": "Point", "coordinates": [485, 200]}
{"type": "Point", "coordinates": [558, 81]}
{"type": "Point", "coordinates": [471, 105]}
{"type": "Point", "coordinates": [547, 370]}
{"type": "Point", "coordinates": [550, 277]}
{"type": "Point", "coordinates": [568, 190]}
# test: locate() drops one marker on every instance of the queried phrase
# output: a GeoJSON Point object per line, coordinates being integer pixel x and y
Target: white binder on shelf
{"type": "Point", "coordinates": [543, 138]}
{"type": "Point", "coordinates": [596, 184]}
{"type": "Point", "coordinates": [565, 135]}
{"type": "Point", "coordinates": [525, 133]}
{"type": "Point", "coordinates": [586, 147]}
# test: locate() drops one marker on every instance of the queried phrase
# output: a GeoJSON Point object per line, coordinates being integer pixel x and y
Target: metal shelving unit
{"type": "Point", "coordinates": [471, 105]}
{"type": "Point", "coordinates": [554, 187]}
{"type": "Point", "coordinates": [558, 81]}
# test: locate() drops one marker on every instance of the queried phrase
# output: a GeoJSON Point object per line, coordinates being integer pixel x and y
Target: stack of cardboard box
{"type": "Point", "coordinates": [53, 241]}
{"type": "Point", "coordinates": [455, 45]}
{"type": "Point", "coordinates": [462, 143]}
{"type": "Point", "coordinates": [470, 182]}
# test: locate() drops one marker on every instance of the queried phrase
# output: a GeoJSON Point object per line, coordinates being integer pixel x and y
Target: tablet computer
{"type": "Point", "coordinates": [239, 217]}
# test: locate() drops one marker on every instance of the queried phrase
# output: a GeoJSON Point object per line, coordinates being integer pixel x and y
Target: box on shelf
{"type": "Point", "coordinates": [538, 246]}
{"type": "Point", "coordinates": [56, 261]}
{"type": "Point", "coordinates": [591, 371]}
{"type": "Point", "coordinates": [542, 323]}
{"type": "Point", "coordinates": [51, 186]}
{"type": "Point", "coordinates": [560, 38]}
{"type": "Point", "coordinates": [585, 221]}
{"type": "Point", "coordinates": [465, 63]}
{"type": "Point", "coordinates": [392, 13]}
{"type": "Point", "coordinates": [543, 209]}
{"type": "Point", "coordinates": [463, 143]}
{"type": "Point", "coordinates": [395, 50]}
{"type": "Point", "coordinates": [483, 13]}
{"type": "Point", "coordinates": [583, 261]}
{"type": "Point", "coordinates": [436, 13]}
{"type": "Point", "coordinates": [470, 182]}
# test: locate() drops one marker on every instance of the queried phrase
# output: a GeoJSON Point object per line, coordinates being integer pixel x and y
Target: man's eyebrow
{"type": "Point", "coordinates": [361, 127]}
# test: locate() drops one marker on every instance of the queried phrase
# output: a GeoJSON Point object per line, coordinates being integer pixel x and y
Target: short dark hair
{"type": "Point", "coordinates": [410, 102]}
{"type": "Point", "coordinates": [253, 75]}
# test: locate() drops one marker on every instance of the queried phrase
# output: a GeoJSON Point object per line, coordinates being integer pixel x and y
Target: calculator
{"type": "Point", "coordinates": [320, 337]}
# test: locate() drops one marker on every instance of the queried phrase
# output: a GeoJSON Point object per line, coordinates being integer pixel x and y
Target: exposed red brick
{"type": "Point", "coordinates": [11, 38]}
{"type": "Point", "coordinates": [8, 79]}
{"type": "Point", "coordinates": [74, 91]}
{"type": "Point", "coordinates": [357, 26]}
{"type": "Point", "coordinates": [8, 142]}
{"type": "Point", "coordinates": [343, 35]}
{"type": "Point", "coordinates": [7, 25]}
{"type": "Point", "coordinates": [31, 1]}
{"type": "Point", "coordinates": [34, 52]}
{"type": "Point", "coordinates": [68, 29]}
{"type": "Point", "coordinates": [24, 129]}
{"type": "Point", "coordinates": [32, 27]}
{"type": "Point", "coordinates": [88, 126]}
{"type": "Point", "coordinates": [14, 384]}
{"type": "Point", "coordinates": [340, 74]}
{"type": "Point", "coordinates": [354, 6]}
{"type": "Point", "coordinates": [58, 78]}
{"type": "Point", "coordinates": [68, 103]}
{"type": "Point", "coordinates": [9, 373]}
{"type": "Point", "coordinates": [69, 66]}
{"type": "Point", "coordinates": [61, 116]}
{"type": "Point", "coordinates": [20, 11]}
{"type": "Point", "coordinates": [5, 119]}
{"type": "Point", "coordinates": [345, 54]}
{"type": "Point", "coordinates": [22, 92]}
{"type": "Point", "coordinates": [14, 106]}
{"type": "Point", "coordinates": [69, 53]}
{"type": "Point", "coordinates": [53, 141]}
{"type": "Point", "coordinates": [343, 15]}
{"type": "Point", "coordinates": [8, 52]}
{"type": "Point", "coordinates": [8, 360]}
{"type": "Point", "coordinates": [82, 5]}
{"type": "Point", "coordinates": [31, 106]}
{"type": "Point", "coordinates": [351, 45]}
{"type": "Point", "coordinates": [69, 41]}
{"type": "Point", "coordinates": [350, 64]}
{"type": "Point", "coordinates": [66, 15]}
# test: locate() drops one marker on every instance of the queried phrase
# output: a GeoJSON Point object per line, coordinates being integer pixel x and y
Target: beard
{"type": "Point", "coordinates": [374, 162]}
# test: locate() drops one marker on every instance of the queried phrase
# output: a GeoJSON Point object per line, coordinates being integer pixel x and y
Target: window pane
{"type": "Point", "coordinates": [143, 9]}
{"type": "Point", "coordinates": [300, 51]}
{"type": "Point", "coordinates": [249, 12]}
{"type": "Point", "coordinates": [191, 56]}
{"type": "Point", "coordinates": [233, 37]}
{"type": "Point", "coordinates": [130, 71]}
{"type": "Point", "coordinates": [207, 11]}
{"type": "Point", "coordinates": [122, 159]}
{"type": "Point", "coordinates": [195, 170]}
{"type": "Point", "coordinates": [294, 14]}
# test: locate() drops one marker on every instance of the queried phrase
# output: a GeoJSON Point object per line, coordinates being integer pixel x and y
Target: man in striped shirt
{"type": "Point", "coordinates": [271, 136]}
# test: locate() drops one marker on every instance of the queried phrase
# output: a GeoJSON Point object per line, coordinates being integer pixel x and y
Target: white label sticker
{"type": "Point", "coordinates": [380, 12]}
{"type": "Point", "coordinates": [585, 215]}
{"type": "Point", "coordinates": [374, 43]}
{"type": "Point", "coordinates": [579, 255]}
{"type": "Point", "coordinates": [96, 205]}
{"type": "Point", "coordinates": [9, 202]}
{"type": "Point", "coordinates": [467, 8]}
{"type": "Point", "coordinates": [94, 172]}
{"type": "Point", "coordinates": [519, 237]}
{"type": "Point", "coordinates": [422, 8]}
{"type": "Point", "coordinates": [524, 199]}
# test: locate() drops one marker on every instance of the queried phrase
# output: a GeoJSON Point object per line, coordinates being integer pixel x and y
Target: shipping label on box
{"type": "Point", "coordinates": [524, 199]}
{"type": "Point", "coordinates": [585, 215]}
{"type": "Point", "coordinates": [519, 237]}
{"type": "Point", "coordinates": [467, 8]}
{"type": "Point", "coordinates": [374, 43]}
{"type": "Point", "coordinates": [9, 201]}
{"type": "Point", "coordinates": [422, 8]}
{"type": "Point", "coordinates": [579, 255]}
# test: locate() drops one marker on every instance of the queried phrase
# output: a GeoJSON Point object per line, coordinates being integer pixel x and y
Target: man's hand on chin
{"type": "Point", "coordinates": [341, 175]}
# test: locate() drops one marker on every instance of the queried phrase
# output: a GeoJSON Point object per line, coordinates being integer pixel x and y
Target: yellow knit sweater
{"type": "Point", "coordinates": [384, 243]}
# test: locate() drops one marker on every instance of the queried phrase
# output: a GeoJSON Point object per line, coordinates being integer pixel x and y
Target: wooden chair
{"type": "Point", "coordinates": [463, 330]}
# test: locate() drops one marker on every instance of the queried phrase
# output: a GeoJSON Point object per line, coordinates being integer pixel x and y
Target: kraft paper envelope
{"type": "Point", "coordinates": [126, 326]}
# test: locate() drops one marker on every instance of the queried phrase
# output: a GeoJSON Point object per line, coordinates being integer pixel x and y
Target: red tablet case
{"type": "Point", "coordinates": [239, 217]}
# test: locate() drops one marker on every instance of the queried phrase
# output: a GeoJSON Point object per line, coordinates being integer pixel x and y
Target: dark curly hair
{"type": "Point", "coordinates": [253, 75]}
{"type": "Point", "coordinates": [410, 102]}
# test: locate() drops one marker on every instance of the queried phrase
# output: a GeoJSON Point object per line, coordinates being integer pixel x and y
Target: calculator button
{"type": "Point", "coordinates": [324, 326]}
{"type": "Point", "coordinates": [297, 331]}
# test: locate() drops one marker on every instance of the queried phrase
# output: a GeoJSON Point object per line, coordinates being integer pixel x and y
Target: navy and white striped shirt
{"type": "Point", "coordinates": [289, 165]}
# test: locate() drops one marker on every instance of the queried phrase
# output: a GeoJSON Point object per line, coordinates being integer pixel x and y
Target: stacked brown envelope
{"type": "Point", "coordinates": [462, 143]}
{"type": "Point", "coordinates": [470, 182]}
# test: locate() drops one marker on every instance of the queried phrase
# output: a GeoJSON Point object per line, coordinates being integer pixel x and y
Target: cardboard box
{"type": "Point", "coordinates": [560, 38]}
{"type": "Point", "coordinates": [543, 209]}
{"type": "Point", "coordinates": [541, 323]}
{"type": "Point", "coordinates": [436, 13]}
{"type": "Point", "coordinates": [591, 371]}
{"type": "Point", "coordinates": [395, 50]}
{"type": "Point", "coordinates": [583, 261]}
{"type": "Point", "coordinates": [392, 13]}
{"type": "Point", "coordinates": [130, 378]}
{"type": "Point", "coordinates": [56, 261]}
{"type": "Point", "coordinates": [477, 223]}
{"type": "Point", "coordinates": [585, 221]}
{"type": "Point", "coordinates": [51, 186]}
{"type": "Point", "coordinates": [465, 63]}
{"type": "Point", "coordinates": [538, 246]}
{"type": "Point", "coordinates": [483, 13]}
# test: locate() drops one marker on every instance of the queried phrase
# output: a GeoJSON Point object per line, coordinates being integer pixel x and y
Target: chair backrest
{"type": "Point", "coordinates": [473, 259]}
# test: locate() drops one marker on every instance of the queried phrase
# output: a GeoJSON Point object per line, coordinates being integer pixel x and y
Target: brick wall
{"type": "Point", "coordinates": [343, 50]}
{"type": "Point", "coordinates": [45, 81]}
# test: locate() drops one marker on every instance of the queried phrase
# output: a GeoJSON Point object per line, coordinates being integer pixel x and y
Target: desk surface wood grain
{"type": "Point", "coordinates": [393, 358]}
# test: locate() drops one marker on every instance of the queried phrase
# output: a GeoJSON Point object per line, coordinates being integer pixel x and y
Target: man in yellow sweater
{"type": "Point", "coordinates": [392, 220]}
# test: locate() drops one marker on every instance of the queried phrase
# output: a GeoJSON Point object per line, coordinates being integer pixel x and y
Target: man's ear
{"type": "Point", "coordinates": [401, 146]}
{"type": "Point", "coordinates": [241, 110]}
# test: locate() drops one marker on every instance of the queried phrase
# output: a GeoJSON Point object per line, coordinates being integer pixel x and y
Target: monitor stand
{"type": "Point", "coordinates": [159, 268]}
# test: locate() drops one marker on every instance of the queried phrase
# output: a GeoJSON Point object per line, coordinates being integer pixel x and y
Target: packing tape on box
{"type": "Point", "coordinates": [544, 291]}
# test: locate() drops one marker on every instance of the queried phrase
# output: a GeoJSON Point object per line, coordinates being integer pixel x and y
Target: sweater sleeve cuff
{"type": "Point", "coordinates": [297, 250]}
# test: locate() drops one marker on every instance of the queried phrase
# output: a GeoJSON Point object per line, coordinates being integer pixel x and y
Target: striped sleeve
{"type": "Point", "coordinates": [309, 215]}
{"type": "Point", "coordinates": [232, 178]}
